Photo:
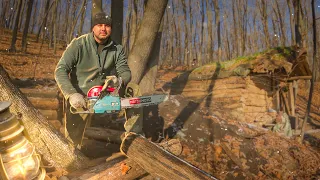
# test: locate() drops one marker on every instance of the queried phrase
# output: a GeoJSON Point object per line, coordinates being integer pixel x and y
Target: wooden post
{"type": "Point", "coordinates": [286, 104]}
{"type": "Point", "coordinates": [291, 99]}
{"type": "Point", "coordinates": [295, 89]}
{"type": "Point", "coordinates": [295, 93]}
{"type": "Point", "coordinates": [278, 99]}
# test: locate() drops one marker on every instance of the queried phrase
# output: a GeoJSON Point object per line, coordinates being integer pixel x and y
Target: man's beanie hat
{"type": "Point", "coordinates": [101, 18]}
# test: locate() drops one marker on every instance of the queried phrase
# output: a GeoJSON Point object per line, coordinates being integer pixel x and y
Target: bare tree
{"type": "Point", "coordinates": [26, 26]}
{"type": "Point", "coordinates": [218, 25]}
{"type": "Point", "coordinates": [83, 15]}
{"type": "Point", "coordinates": [4, 11]}
{"type": "Point", "coordinates": [175, 43]}
{"type": "Point", "coordinates": [315, 48]}
{"type": "Point", "coordinates": [243, 19]}
{"type": "Point", "coordinates": [13, 13]}
{"type": "Point", "coordinates": [210, 43]}
{"type": "Point", "coordinates": [263, 8]}
{"type": "Point", "coordinates": [277, 11]}
{"type": "Point", "coordinates": [235, 30]}
{"type": "Point", "coordinates": [44, 21]}
{"type": "Point", "coordinates": [15, 29]}
{"type": "Point", "coordinates": [186, 40]}
{"type": "Point", "coordinates": [22, 12]}
{"type": "Point", "coordinates": [191, 26]}
{"type": "Point", "coordinates": [227, 33]}
{"type": "Point", "coordinates": [296, 7]}
{"type": "Point", "coordinates": [35, 16]}
{"type": "Point", "coordinates": [202, 15]}
{"type": "Point", "coordinates": [291, 21]}
{"type": "Point", "coordinates": [54, 22]}
{"type": "Point", "coordinates": [66, 17]}
{"type": "Point", "coordinates": [75, 17]}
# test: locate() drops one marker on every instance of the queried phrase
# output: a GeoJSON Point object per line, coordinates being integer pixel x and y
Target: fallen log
{"type": "Point", "coordinates": [50, 143]}
{"type": "Point", "coordinates": [158, 162]}
{"type": "Point", "coordinates": [115, 167]}
{"type": "Point", "coordinates": [44, 103]}
{"type": "Point", "coordinates": [47, 93]}
{"type": "Point", "coordinates": [104, 134]}
{"type": "Point", "coordinates": [49, 114]}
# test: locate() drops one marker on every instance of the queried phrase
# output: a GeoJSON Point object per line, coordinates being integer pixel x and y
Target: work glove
{"type": "Point", "coordinates": [111, 81]}
{"type": "Point", "coordinates": [77, 101]}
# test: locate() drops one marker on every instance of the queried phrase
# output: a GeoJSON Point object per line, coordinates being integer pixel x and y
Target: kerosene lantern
{"type": "Point", "coordinates": [18, 159]}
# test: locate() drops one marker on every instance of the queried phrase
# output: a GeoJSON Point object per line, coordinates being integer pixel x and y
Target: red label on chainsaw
{"type": "Point", "coordinates": [134, 101]}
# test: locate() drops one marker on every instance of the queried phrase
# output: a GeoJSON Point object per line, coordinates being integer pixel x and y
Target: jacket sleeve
{"type": "Point", "coordinates": [63, 68]}
{"type": "Point", "coordinates": [122, 67]}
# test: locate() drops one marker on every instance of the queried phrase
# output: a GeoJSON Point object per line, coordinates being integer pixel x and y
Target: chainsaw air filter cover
{"type": "Point", "coordinates": [94, 92]}
{"type": "Point", "coordinates": [107, 104]}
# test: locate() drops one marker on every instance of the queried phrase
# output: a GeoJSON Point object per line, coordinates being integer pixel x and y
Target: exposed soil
{"type": "Point", "coordinates": [207, 141]}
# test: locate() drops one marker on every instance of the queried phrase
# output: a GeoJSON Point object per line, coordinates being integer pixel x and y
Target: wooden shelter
{"type": "Point", "coordinates": [249, 89]}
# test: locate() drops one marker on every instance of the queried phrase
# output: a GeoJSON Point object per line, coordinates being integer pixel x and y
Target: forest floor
{"type": "Point", "coordinates": [183, 119]}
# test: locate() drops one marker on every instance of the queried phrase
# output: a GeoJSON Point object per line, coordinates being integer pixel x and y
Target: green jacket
{"type": "Point", "coordinates": [81, 67]}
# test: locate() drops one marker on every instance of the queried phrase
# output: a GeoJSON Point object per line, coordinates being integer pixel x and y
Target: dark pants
{"type": "Point", "coordinates": [75, 124]}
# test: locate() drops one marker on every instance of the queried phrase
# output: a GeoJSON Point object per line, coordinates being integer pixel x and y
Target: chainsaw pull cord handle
{"type": "Point", "coordinates": [107, 83]}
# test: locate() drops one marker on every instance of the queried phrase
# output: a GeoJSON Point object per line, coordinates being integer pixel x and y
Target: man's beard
{"type": "Point", "coordinates": [102, 39]}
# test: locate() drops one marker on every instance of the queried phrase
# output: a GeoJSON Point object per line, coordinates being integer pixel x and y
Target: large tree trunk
{"type": "Point", "coordinates": [148, 81]}
{"type": "Point", "coordinates": [53, 147]}
{"type": "Point", "coordinates": [117, 20]}
{"type": "Point", "coordinates": [145, 38]}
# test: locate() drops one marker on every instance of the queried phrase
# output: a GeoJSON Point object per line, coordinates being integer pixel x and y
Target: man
{"type": "Point", "coordinates": [87, 62]}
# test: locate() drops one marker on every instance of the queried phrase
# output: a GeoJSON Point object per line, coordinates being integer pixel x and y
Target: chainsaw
{"type": "Point", "coordinates": [106, 99]}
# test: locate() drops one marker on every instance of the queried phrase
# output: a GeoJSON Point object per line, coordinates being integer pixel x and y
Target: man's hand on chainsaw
{"type": "Point", "coordinates": [111, 81]}
{"type": "Point", "coordinates": [77, 101]}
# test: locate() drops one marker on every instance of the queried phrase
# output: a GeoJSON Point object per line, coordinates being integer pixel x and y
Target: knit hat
{"type": "Point", "coordinates": [101, 18]}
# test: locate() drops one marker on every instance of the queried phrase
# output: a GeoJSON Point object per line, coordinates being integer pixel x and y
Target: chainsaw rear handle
{"type": "Point", "coordinates": [108, 82]}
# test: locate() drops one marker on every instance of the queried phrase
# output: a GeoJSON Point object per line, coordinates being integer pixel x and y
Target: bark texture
{"type": "Point", "coordinates": [145, 38]}
{"type": "Point", "coordinates": [53, 147]}
{"type": "Point", "coordinates": [158, 162]}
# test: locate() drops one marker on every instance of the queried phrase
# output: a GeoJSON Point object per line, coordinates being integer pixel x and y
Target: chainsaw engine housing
{"type": "Point", "coordinates": [107, 104]}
